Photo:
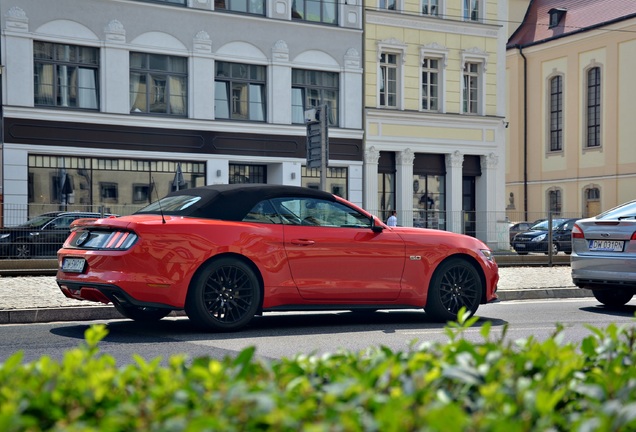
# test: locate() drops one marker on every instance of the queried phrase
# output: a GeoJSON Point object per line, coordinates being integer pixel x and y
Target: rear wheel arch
{"type": "Point", "coordinates": [225, 293]}
{"type": "Point", "coordinates": [240, 257]}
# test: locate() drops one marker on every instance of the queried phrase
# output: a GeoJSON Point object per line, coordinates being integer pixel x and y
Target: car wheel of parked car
{"type": "Point", "coordinates": [555, 249]}
{"type": "Point", "coordinates": [224, 295]}
{"type": "Point", "coordinates": [142, 314]}
{"type": "Point", "coordinates": [454, 285]}
{"type": "Point", "coordinates": [613, 298]}
{"type": "Point", "coordinates": [22, 249]}
{"type": "Point", "coordinates": [522, 253]}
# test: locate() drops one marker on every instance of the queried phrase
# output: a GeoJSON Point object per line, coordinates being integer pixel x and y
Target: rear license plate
{"type": "Point", "coordinates": [73, 265]}
{"type": "Point", "coordinates": [606, 245]}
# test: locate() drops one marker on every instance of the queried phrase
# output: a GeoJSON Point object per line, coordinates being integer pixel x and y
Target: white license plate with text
{"type": "Point", "coordinates": [73, 265]}
{"type": "Point", "coordinates": [606, 245]}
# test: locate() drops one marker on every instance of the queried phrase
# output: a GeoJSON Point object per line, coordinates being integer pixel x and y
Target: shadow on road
{"type": "Point", "coordinates": [280, 324]}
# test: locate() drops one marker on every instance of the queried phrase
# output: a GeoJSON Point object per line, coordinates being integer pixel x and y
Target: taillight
{"type": "Point", "coordinates": [633, 236]}
{"type": "Point", "coordinates": [98, 239]}
{"type": "Point", "coordinates": [577, 232]}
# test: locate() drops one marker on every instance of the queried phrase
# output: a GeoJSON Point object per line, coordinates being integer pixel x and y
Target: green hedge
{"type": "Point", "coordinates": [493, 385]}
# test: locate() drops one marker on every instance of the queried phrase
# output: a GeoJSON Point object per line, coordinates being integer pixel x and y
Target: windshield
{"type": "Point", "coordinates": [543, 225]}
{"type": "Point", "coordinates": [172, 204]}
{"type": "Point", "coordinates": [625, 211]}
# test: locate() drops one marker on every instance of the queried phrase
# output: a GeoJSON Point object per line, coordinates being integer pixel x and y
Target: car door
{"type": "Point", "coordinates": [334, 255]}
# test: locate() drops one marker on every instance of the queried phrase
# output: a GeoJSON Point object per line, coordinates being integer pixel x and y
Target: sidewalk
{"type": "Point", "coordinates": [30, 299]}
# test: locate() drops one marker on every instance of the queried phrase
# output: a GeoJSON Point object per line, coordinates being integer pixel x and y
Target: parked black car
{"type": "Point", "coordinates": [536, 239]}
{"type": "Point", "coordinates": [518, 227]}
{"type": "Point", "coordinates": [41, 236]}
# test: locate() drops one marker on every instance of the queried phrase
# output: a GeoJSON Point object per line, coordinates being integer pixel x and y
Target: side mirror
{"type": "Point", "coordinates": [374, 227]}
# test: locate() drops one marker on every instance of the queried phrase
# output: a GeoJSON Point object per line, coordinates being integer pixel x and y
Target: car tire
{"type": "Point", "coordinates": [455, 284]}
{"type": "Point", "coordinates": [224, 295]}
{"type": "Point", "coordinates": [522, 253]}
{"type": "Point", "coordinates": [23, 249]}
{"type": "Point", "coordinates": [555, 249]}
{"type": "Point", "coordinates": [141, 314]}
{"type": "Point", "coordinates": [613, 298]}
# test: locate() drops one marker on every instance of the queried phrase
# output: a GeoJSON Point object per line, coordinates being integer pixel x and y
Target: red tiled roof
{"type": "Point", "coordinates": [580, 15]}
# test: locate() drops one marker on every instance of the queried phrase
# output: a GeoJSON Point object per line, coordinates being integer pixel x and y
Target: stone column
{"type": "Point", "coordinates": [486, 201]}
{"type": "Point", "coordinates": [404, 187]}
{"type": "Point", "coordinates": [454, 219]}
{"type": "Point", "coordinates": [18, 46]}
{"type": "Point", "coordinates": [370, 201]}
{"type": "Point", "coordinates": [201, 78]}
{"type": "Point", "coordinates": [115, 70]}
{"type": "Point", "coordinates": [279, 88]}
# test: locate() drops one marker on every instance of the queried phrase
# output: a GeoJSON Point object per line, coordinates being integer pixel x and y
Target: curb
{"type": "Point", "coordinates": [93, 313]}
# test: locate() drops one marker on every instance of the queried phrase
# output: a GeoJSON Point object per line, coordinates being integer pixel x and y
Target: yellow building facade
{"type": "Point", "coordinates": [434, 96]}
{"type": "Point", "coordinates": [570, 94]}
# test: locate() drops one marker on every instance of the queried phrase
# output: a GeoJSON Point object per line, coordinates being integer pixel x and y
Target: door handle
{"type": "Point", "coordinates": [302, 242]}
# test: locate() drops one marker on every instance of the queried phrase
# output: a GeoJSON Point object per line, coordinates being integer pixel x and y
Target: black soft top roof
{"type": "Point", "coordinates": [233, 201]}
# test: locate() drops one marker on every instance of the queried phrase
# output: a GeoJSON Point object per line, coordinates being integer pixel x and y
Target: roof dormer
{"type": "Point", "coordinates": [555, 16]}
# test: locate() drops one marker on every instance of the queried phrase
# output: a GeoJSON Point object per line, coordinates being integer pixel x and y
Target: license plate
{"type": "Point", "coordinates": [73, 265]}
{"type": "Point", "coordinates": [520, 246]}
{"type": "Point", "coordinates": [606, 245]}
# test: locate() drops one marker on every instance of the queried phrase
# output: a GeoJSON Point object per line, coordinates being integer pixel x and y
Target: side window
{"type": "Point", "coordinates": [315, 212]}
{"type": "Point", "coordinates": [62, 222]}
{"type": "Point", "coordinates": [263, 212]}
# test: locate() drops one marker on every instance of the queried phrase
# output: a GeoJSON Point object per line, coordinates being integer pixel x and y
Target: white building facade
{"type": "Point", "coordinates": [103, 101]}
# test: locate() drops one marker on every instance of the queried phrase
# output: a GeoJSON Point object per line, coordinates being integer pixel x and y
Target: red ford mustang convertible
{"type": "Point", "coordinates": [225, 253]}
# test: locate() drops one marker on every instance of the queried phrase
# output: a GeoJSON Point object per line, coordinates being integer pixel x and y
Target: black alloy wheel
{"type": "Point", "coordinates": [141, 314]}
{"type": "Point", "coordinates": [22, 249]}
{"type": "Point", "coordinates": [224, 296]}
{"type": "Point", "coordinates": [613, 297]}
{"type": "Point", "coordinates": [454, 285]}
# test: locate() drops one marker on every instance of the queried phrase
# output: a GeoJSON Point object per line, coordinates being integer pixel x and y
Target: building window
{"type": "Point", "coordinates": [429, 194]}
{"type": "Point", "coordinates": [554, 201]}
{"type": "Point", "coordinates": [65, 75]}
{"type": "Point", "coordinates": [240, 173]}
{"type": "Point", "coordinates": [158, 84]}
{"type": "Point", "coordinates": [555, 16]}
{"type": "Point", "coordinates": [471, 88]}
{"type": "Point", "coordinates": [430, 84]}
{"type": "Point", "coordinates": [256, 7]}
{"type": "Point", "coordinates": [471, 10]}
{"type": "Point", "coordinates": [322, 11]}
{"type": "Point", "coordinates": [430, 7]}
{"type": "Point", "coordinates": [239, 91]}
{"type": "Point", "coordinates": [388, 80]}
{"type": "Point", "coordinates": [387, 4]}
{"type": "Point", "coordinates": [314, 88]}
{"type": "Point", "coordinates": [336, 179]}
{"type": "Point", "coordinates": [85, 183]}
{"type": "Point", "coordinates": [556, 113]}
{"type": "Point", "coordinates": [594, 107]}
{"type": "Point", "coordinates": [592, 202]}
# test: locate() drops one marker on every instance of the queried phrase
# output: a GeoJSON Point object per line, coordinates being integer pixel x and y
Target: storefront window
{"type": "Point", "coordinates": [336, 180]}
{"type": "Point", "coordinates": [119, 186]}
{"type": "Point", "coordinates": [429, 201]}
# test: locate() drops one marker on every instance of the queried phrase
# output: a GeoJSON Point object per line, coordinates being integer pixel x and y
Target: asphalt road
{"type": "Point", "coordinates": [285, 335]}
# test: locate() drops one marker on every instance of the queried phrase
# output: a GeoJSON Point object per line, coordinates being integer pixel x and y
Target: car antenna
{"type": "Point", "coordinates": [154, 186]}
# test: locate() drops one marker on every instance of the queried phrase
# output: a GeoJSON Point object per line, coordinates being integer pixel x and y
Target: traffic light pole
{"type": "Point", "coordinates": [324, 156]}
{"type": "Point", "coordinates": [318, 141]}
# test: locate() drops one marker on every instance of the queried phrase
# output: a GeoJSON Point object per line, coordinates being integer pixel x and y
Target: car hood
{"type": "Point", "coordinates": [441, 236]}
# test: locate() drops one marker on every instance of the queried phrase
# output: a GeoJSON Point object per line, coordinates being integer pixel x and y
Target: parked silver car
{"type": "Point", "coordinates": [604, 254]}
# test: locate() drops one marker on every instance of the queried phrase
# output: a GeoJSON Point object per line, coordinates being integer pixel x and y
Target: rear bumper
{"type": "Point", "coordinates": [104, 293]}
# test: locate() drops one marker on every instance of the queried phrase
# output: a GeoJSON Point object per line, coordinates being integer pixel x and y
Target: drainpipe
{"type": "Point", "coordinates": [525, 133]}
